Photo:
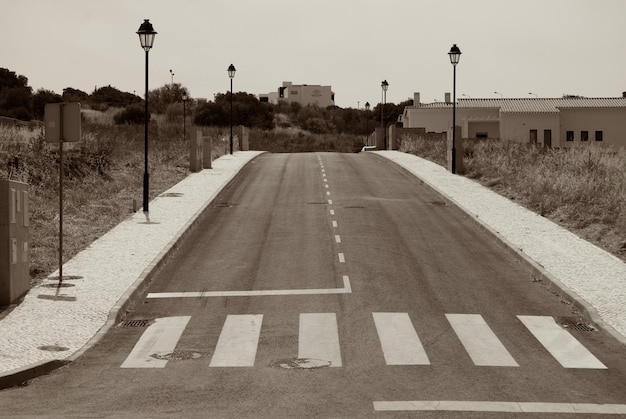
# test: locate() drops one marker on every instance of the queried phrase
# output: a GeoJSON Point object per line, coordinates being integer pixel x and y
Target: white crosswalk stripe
{"type": "Point", "coordinates": [318, 338]}
{"type": "Point", "coordinates": [399, 340]}
{"type": "Point", "coordinates": [564, 347]}
{"type": "Point", "coordinates": [481, 344]}
{"type": "Point", "coordinates": [159, 339]}
{"type": "Point", "coordinates": [237, 344]}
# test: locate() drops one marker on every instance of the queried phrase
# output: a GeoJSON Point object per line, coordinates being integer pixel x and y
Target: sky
{"type": "Point", "coordinates": [544, 48]}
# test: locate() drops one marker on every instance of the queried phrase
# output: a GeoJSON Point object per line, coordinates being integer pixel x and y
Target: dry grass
{"type": "Point", "coordinates": [103, 180]}
{"type": "Point", "coordinates": [581, 188]}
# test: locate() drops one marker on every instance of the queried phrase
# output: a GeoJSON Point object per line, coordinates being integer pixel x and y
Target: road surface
{"type": "Point", "coordinates": [338, 285]}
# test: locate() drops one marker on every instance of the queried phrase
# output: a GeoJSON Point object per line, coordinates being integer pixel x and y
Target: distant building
{"type": "Point", "coordinates": [553, 122]}
{"type": "Point", "coordinates": [304, 94]}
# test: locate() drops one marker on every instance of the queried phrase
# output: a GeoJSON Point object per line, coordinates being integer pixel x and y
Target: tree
{"type": "Point", "coordinates": [104, 97]}
{"type": "Point", "coordinates": [160, 99]}
{"type": "Point", "coordinates": [74, 95]}
{"type": "Point", "coordinates": [247, 110]}
{"type": "Point", "coordinates": [40, 98]}
{"type": "Point", "coordinates": [15, 95]}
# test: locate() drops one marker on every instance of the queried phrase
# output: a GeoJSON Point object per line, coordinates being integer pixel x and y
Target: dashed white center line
{"type": "Point", "coordinates": [337, 238]}
{"type": "Point", "coordinates": [330, 202]}
{"type": "Point", "coordinates": [328, 193]}
{"type": "Point", "coordinates": [332, 212]}
{"type": "Point", "coordinates": [342, 258]}
{"type": "Point", "coordinates": [334, 223]}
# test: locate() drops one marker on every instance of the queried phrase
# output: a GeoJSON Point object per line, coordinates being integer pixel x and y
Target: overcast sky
{"type": "Point", "coordinates": [545, 47]}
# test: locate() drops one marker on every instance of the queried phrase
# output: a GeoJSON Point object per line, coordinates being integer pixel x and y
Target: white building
{"type": "Point", "coordinates": [304, 94]}
{"type": "Point", "coordinates": [553, 122]}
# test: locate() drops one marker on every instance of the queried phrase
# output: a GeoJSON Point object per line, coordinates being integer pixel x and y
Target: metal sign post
{"type": "Point", "coordinates": [62, 123]}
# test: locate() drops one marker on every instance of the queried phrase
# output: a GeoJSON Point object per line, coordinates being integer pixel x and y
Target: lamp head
{"type": "Point", "coordinates": [455, 54]}
{"type": "Point", "coordinates": [231, 71]}
{"type": "Point", "coordinates": [146, 35]}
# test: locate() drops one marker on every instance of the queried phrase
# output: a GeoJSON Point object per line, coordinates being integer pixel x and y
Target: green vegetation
{"type": "Point", "coordinates": [581, 188]}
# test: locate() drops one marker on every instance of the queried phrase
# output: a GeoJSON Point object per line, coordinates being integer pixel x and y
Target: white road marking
{"type": "Point", "coordinates": [328, 193]}
{"type": "Point", "coordinates": [564, 347]}
{"type": "Point", "coordinates": [479, 341]}
{"type": "Point", "coordinates": [337, 238]}
{"type": "Point", "coordinates": [330, 202]}
{"type": "Point", "coordinates": [342, 258]}
{"type": "Point", "coordinates": [347, 289]}
{"type": "Point", "coordinates": [160, 338]}
{"type": "Point", "coordinates": [319, 338]}
{"type": "Point", "coordinates": [237, 344]}
{"type": "Point", "coordinates": [503, 407]}
{"type": "Point", "coordinates": [325, 180]}
{"type": "Point", "coordinates": [326, 186]}
{"type": "Point", "coordinates": [335, 224]}
{"type": "Point", "coordinates": [332, 212]}
{"type": "Point", "coordinates": [399, 340]}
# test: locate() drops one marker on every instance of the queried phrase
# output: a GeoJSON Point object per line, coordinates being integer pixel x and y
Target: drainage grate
{"type": "Point", "coordinates": [438, 203]}
{"type": "Point", "coordinates": [575, 324]}
{"type": "Point", "coordinates": [134, 323]}
{"type": "Point", "coordinates": [355, 206]}
{"type": "Point", "coordinates": [171, 195]}
{"type": "Point", "coordinates": [223, 205]}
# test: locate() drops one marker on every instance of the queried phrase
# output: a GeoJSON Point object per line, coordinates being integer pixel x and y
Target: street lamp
{"type": "Point", "coordinates": [185, 98]}
{"type": "Point", "coordinates": [231, 74]}
{"type": "Point", "coordinates": [146, 38]}
{"type": "Point", "coordinates": [385, 86]}
{"type": "Point", "coordinates": [455, 55]}
{"type": "Point", "coordinates": [367, 122]}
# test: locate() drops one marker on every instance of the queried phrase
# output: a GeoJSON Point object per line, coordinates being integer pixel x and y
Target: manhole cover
{"type": "Point", "coordinates": [53, 348]}
{"type": "Point", "coordinates": [177, 355]}
{"type": "Point", "coordinates": [302, 363]}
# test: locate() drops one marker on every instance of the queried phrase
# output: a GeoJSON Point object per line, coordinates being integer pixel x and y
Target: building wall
{"type": "Point", "coordinates": [612, 123]}
{"type": "Point", "coordinates": [517, 127]}
{"type": "Point", "coordinates": [433, 120]}
{"type": "Point", "coordinates": [306, 94]}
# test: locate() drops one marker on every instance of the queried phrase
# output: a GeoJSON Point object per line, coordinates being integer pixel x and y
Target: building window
{"type": "Point", "coordinates": [598, 135]}
{"type": "Point", "coordinates": [482, 135]}
{"type": "Point", "coordinates": [569, 136]}
{"type": "Point", "coordinates": [584, 135]}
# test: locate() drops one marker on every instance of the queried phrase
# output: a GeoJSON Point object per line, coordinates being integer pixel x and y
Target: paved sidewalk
{"type": "Point", "coordinates": [54, 326]}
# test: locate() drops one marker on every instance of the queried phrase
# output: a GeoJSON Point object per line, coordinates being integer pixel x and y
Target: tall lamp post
{"type": "Point", "coordinates": [146, 38]}
{"type": "Point", "coordinates": [231, 74]}
{"type": "Point", "coordinates": [455, 55]}
{"type": "Point", "coordinates": [185, 98]}
{"type": "Point", "coordinates": [367, 123]}
{"type": "Point", "coordinates": [385, 86]}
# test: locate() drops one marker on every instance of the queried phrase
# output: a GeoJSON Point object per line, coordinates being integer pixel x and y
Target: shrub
{"type": "Point", "coordinates": [132, 114]}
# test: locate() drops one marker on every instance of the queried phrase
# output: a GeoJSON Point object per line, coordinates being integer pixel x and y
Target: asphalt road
{"type": "Point", "coordinates": [337, 285]}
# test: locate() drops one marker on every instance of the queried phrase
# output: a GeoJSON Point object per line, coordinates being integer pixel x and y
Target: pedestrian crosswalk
{"type": "Point", "coordinates": [318, 339]}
